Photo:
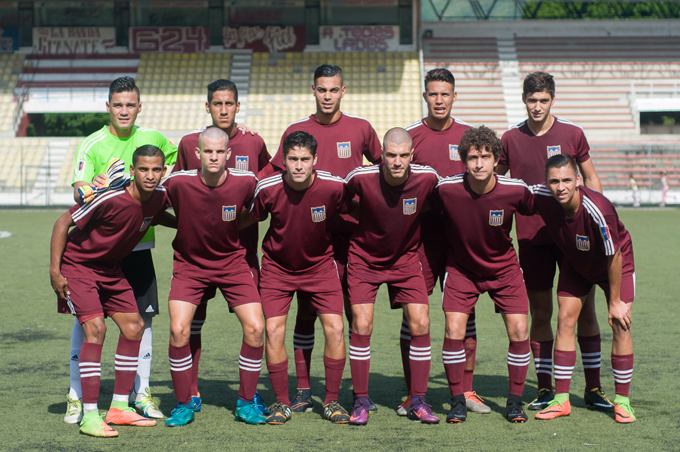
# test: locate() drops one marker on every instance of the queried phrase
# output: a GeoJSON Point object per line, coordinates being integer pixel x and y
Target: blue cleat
{"type": "Point", "coordinates": [181, 415]}
{"type": "Point", "coordinates": [197, 402]}
{"type": "Point", "coordinates": [247, 412]}
{"type": "Point", "coordinates": [259, 404]}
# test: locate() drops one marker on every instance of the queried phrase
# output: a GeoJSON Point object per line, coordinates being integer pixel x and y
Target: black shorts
{"type": "Point", "coordinates": [139, 271]}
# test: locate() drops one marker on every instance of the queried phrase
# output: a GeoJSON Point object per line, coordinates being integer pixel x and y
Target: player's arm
{"type": "Point", "coordinates": [502, 170]}
{"type": "Point", "coordinates": [245, 219]}
{"type": "Point", "coordinates": [168, 220]}
{"type": "Point", "coordinates": [590, 177]}
{"type": "Point", "coordinates": [98, 181]}
{"type": "Point", "coordinates": [618, 310]}
{"type": "Point", "coordinates": [57, 246]}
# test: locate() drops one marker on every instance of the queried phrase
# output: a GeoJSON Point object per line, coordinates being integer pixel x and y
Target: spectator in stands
{"type": "Point", "coordinates": [664, 188]}
{"type": "Point", "coordinates": [634, 188]}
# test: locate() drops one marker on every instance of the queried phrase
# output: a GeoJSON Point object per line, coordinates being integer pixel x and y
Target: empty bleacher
{"type": "Point", "coordinates": [382, 88]}
{"type": "Point", "coordinates": [20, 159]}
{"type": "Point", "coordinates": [614, 163]}
{"type": "Point", "coordinates": [10, 68]}
{"type": "Point", "coordinates": [474, 63]}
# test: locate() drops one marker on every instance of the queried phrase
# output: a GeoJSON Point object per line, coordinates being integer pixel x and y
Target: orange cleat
{"type": "Point", "coordinates": [555, 409]}
{"type": "Point", "coordinates": [128, 416]}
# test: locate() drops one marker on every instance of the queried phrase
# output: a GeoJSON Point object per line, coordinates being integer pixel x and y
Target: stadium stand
{"type": "Point", "coordinates": [10, 68]}
{"type": "Point", "coordinates": [615, 163]}
{"type": "Point", "coordinates": [382, 88]}
{"type": "Point", "coordinates": [474, 63]}
{"type": "Point", "coordinates": [17, 154]}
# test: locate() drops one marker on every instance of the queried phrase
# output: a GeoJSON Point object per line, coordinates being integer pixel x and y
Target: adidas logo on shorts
{"type": "Point", "coordinates": [150, 309]}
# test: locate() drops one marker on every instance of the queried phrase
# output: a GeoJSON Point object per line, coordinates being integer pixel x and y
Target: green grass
{"type": "Point", "coordinates": [35, 344]}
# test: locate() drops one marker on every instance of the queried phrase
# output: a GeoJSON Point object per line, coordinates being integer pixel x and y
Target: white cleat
{"type": "Point", "coordinates": [146, 405]}
{"type": "Point", "coordinates": [74, 411]}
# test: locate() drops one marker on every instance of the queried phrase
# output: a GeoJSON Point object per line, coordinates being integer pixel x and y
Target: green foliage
{"type": "Point", "coordinates": [601, 10]}
{"type": "Point", "coordinates": [70, 124]}
{"type": "Point", "coordinates": [664, 118]}
{"type": "Point", "coordinates": [35, 344]}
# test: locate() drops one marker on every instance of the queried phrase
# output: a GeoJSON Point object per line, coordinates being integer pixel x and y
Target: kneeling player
{"type": "Point", "coordinates": [597, 250]}
{"type": "Point", "coordinates": [298, 257]}
{"type": "Point", "coordinates": [479, 207]}
{"type": "Point", "coordinates": [208, 256]}
{"type": "Point", "coordinates": [384, 249]}
{"type": "Point", "coordinates": [85, 271]}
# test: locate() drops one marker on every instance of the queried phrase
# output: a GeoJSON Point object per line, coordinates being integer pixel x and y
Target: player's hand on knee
{"type": "Point", "coordinates": [620, 312]}
{"type": "Point", "coordinates": [60, 285]}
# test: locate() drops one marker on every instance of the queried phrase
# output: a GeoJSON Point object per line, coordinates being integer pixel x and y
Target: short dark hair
{"type": "Point", "coordinates": [147, 150]}
{"type": "Point", "coordinates": [123, 84]}
{"type": "Point", "coordinates": [538, 82]}
{"type": "Point", "coordinates": [299, 139]}
{"type": "Point", "coordinates": [558, 161]}
{"type": "Point", "coordinates": [222, 85]}
{"type": "Point", "coordinates": [327, 70]}
{"type": "Point", "coordinates": [440, 74]}
{"type": "Point", "coordinates": [478, 138]}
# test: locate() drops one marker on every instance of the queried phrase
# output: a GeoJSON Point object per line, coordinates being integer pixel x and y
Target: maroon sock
{"type": "Point", "coordinates": [591, 353]}
{"type": "Point", "coordinates": [543, 362]}
{"type": "Point", "coordinates": [180, 370]}
{"type": "Point", "coordinates": [360, 362]}
{"type": "Point", "coordinates": [334, 369]}
{"type": "Point", "coordinates": [405, 345]}
{"type": "Point", "coordinates": [195, 344]}
{"type": "Point", "coordinates": [622, 366]}
{"type": "Point", "coordinates": [90, 365]}
{"type": "Point", "coordinates": [303, 345]}
{"type": "Point", "coordinates": [278, 375]}
{"type": "Point", "coordinates": [519, 357]}
{"type": "Point", "coordinates": [453, 355]}
{"type": "Point", "coordinates": [470, 353]}
{"type": "Point", "coordinates": [249, 365]}
{"type": "Point", "coordinates": [564, 366]}
{"type": "Point", "coordinates": [420, 357]}
{"type": "Point", "coordinates": [127, 358]}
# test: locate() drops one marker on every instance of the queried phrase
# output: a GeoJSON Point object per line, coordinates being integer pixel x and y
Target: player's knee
{"type": "Point", "coordinates": [362, 326]}
{"type": "Point", "coordinates": [95, 331]}
{"type": "Point", "coordinates": [566, 321]}
{"type": "Point", "coordinates": [275, 332]}
{"type": "Point", "coordinates": [419, 325]}
{"type": "Point", "coordinates": [253, 332]}
{"type": "Point", "coordinates": [179, 334]}
{"type": "Point", "coordinates": [334, 330]}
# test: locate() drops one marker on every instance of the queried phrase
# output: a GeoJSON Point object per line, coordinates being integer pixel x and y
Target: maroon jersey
{"type": "Point", "coordinates": [110, 227]}
{"type": "Point", "coordinates": [590, 235]}
{"type": "Point", "coordinates": [479, 225]}
{"type": "Point", "coordinates": [438, 149]}
{"type": "Point", "coordinates": [248, 153]}
{"type": "Point", "coordinates": [298, 237]}
{"type": "Point", "coordinates": [389, 221]}
{"type": "Point", "coordinates": [342, 147]}
{"type": "Point", "coordinates": [526, 154]}
{"type": "Point", "coordinates": [207, 219]}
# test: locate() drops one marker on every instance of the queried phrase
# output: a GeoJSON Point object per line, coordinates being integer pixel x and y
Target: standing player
{"type": "Point", "coordinates": [248, 153]}
{"type": "Point", "coordinates": [597, 251]}
{"type": "Point", "coordinates": [384, 249]}
{"type": "Point", "coordinates": [435, 144]}
{"type": "Point", "coordinates": [208, 256]}
{"type": "Point", "coordinates": [86, 275]}
{"type": "Point", "coordinates": [479, 207]}
{"type": "Point", "coordinates": [298, 257]}
{"type": "Point", "coordinates": [526, 149]}
{"type": "Point", "coordinates": [344, 140]}
{"type": "Point", "coordinates": [119, 140]}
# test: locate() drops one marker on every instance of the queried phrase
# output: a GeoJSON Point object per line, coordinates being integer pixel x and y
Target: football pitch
{"type": "Point", "coordinates": [35, 345]}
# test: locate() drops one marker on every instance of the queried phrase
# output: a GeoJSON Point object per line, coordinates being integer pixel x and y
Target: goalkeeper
{"type": "Point", "coordinates": [119, 141]}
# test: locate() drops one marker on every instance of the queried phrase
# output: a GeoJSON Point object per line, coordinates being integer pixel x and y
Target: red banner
{"type": "Point", "coordinates": [265, 39]}
{"type": "Point", "coordinates": [169, 39]}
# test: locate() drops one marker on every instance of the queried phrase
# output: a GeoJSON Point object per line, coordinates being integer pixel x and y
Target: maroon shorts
{"type": "Point", "coordinates": [507, 292]}
{"type": "Point", "coordinates": [340, 253]}
{"type": "Point", "coordinates": [320, 288]}
{"type": "Point", "coordinates": [432, 256]}
{"type": "Point", "coordinates": [404, 284]}
{"type": "Point", "coordinates": [573, 284]}
{"type": "Point", "coordinates": [191, 285]}
{"type": "Point", "coordinates": [539, 263]}
{"type": "Point", "coordinates": [253, 264]}
{"type": "Point", "coordinates": [95, 291]}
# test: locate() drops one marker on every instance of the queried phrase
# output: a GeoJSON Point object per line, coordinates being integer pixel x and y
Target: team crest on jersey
{"type": "Point", "coordinates": [344, 149]}
{"type": "Point", "coordinates": [410, 206]}
{"type": "Point", "coordinates": [582, 243]}
{"type": "Point", "coordinates": [318, 214]}
{"type": "Point", "coordinates": [145, 223]}
{"type": "Point", "coordinates": [604, 230]}
{"type": "Point", "coordinates": [453, 152]}
{"type": "Point", "coordinates": [496, 217]}
{"type": "Point", "coordinates": [241, 162]}
{"type": "Point", "coordinates": [228, 213]}
{"type": "Point", "coordinates": [554, 150]}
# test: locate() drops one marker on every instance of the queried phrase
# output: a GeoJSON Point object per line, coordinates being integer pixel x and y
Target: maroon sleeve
{"type": "Point", "coordinates": [344, 201]}
{"type": "Point", "coordinates": [277, 160]}
{"type": "Point", "coordinates": [251, 192]}
{"type": "Point", "coordinates": [581, 149]}
{"type": "Point", "coordinates": [165, 204]}
{"type": "Point", "coordinates": [504, 160]}
{"type": "Point", "coordinates": [527, 205]}
{"type": "Point", "coordinates": [263, 157]}
{"type": "Point", "coordinates": [435, 199]}
{"type": "Point", "coordinates": [181, 163]}
{"type": "Point", "coordinates": [373, 150]}
{"type": "Point", "coordinates": [351, 187]}
{"type": "Point", "coordinates": [82, 214]}
{"type": "Point", "coordinates": [258, 207]}
{"type": "Point", "coordinates": [609, 227]}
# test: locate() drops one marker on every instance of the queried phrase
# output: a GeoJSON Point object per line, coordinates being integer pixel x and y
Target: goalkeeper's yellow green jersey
{"type": "Point", "coordinates": [95, 151]}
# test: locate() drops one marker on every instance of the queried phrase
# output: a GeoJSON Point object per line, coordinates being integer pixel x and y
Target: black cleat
{"type": "Point", "coordinates": [543, 398]}
{"type": "Point", "coordinates": [458, 412]}
{"type": "Point", "coordinates": [514, 410]}
{"type": "Point", "coordinates": [595, 399]}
